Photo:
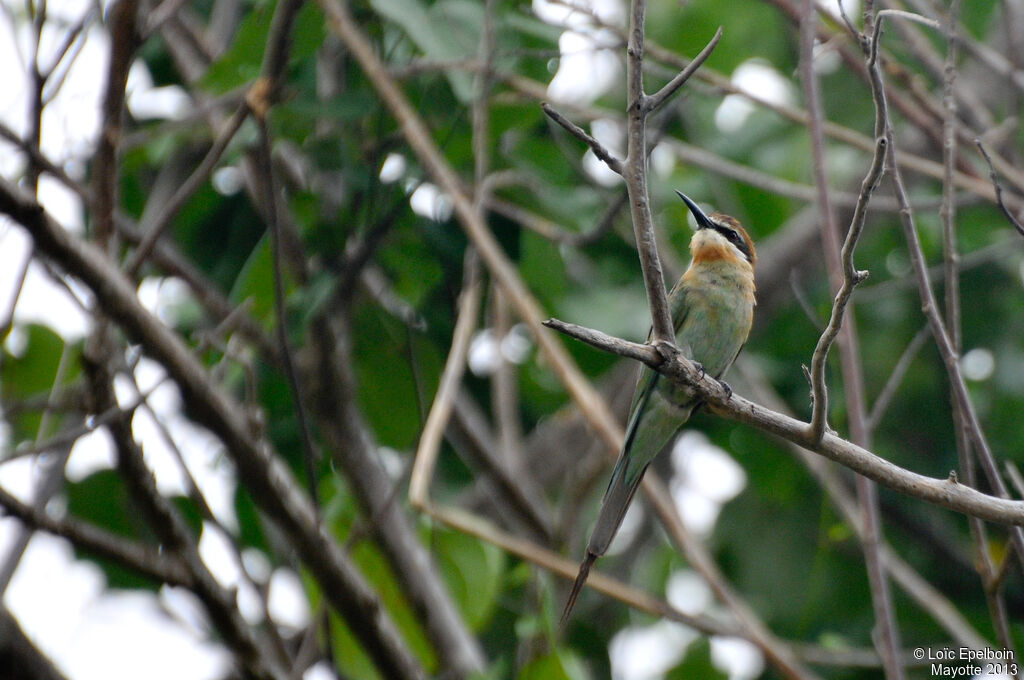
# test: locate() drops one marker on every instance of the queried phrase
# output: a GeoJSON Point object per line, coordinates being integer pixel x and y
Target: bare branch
{"type": "Point", "coordinates": [344, 26]}
{"type": "Point", "coordinates": [892, 383]}
{"type": "Point", "coordinates": [440, 411]}
{"type": "Point", "coordinates": [635, 174]}
{"type": "Point", "coordinates": [851, 278]}
{"type": "Point", "coordinates": [579, 133]}
{"type": "Point", "coordinates": [654, 102]}
{"type": "Point", "coordinates": [124, 42]}
{"type": "Point", "coordinates": [998, 189]}
{"type": "Point", "coordinates": [143, 559]}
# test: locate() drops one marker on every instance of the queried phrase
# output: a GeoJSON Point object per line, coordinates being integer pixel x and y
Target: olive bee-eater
{"type": "Point", "coordinates": [712, 308]}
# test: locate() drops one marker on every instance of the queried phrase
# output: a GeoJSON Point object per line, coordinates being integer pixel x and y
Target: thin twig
{"type": "Point", "coordinates": [579, 133]}
{"type": "Point", "coordinates": [504, 272]}
{"type": "Point", "coordinates": [166, 520]}
{"type": "Point", "coordinates": [654, 102]}
{"type": "Point", "coordinates": [124, 41]}
{"type": "Point", "coordinates": [159, 224]}
{"type": "Point", "coordinates": [892, 383]}
{"type": "Point", "coordinates": [138, 557]}
{"type": "Point", "coordinates": [440, 411]}
{"type": "Point", "coordinates": [998, 189]}
{"type": "Point", "coordinates": [851, 278]}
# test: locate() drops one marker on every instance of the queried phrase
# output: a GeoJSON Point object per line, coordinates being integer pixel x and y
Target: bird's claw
{"type": "Point", "coordinates": [700, 370]}
{"type": "Point", "coordinates": [728, 390]}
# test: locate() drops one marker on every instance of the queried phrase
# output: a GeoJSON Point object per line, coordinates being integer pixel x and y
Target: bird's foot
{"type": "Point", "coordinates": [728, 390]}
{"type": "Point", "coordinates": [700, 370]}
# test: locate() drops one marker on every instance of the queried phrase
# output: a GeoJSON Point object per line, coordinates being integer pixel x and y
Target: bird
{"type": "Point", "coordinates": [712, 309]}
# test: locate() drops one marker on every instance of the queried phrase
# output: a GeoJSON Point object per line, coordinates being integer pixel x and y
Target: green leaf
{"type": "Point", "coordinates": [446, 31]}
{"type": "Point", "coordinates": [474, 572]}
{"type": "Point", "coordinates": [32, 374]}
{"type": "Point", "coordinates": [102, 500]}
{"type": "Point", "coordinates": [697, 664]}
{"type": "Point", "coordinates": [240, 64]}
{"type": "Point", "coordinates": [561, 664]}
{"type": "Point", "coordinates": [255, 283]}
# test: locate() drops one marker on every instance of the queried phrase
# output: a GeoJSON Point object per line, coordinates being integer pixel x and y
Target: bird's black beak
{"type": "Point", "coordinates": [703, 221]}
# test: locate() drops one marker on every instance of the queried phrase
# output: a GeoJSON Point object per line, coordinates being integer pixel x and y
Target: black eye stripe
{"type": "Point", "coordinates": [728, 233]}
{"type": "Point", "coordinates": [733, 237]}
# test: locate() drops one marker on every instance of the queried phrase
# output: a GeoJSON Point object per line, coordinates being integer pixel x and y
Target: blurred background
{"type": "Point", "coordinates": [314, 270]}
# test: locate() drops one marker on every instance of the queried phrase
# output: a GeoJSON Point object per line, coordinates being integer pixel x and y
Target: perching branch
{"type": "Point", "coordinates": [947, 493]}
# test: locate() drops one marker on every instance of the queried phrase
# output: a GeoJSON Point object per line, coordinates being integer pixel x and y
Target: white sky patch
{"type": "Point", "coordinates": [688, 592]}
{"type": "Point", "coordinates": [736, 657]}
{"type": "Point", "coordinates": [826, 58]}
{"type": "Point", "coordinates": [755, 76]}
{"type": "Point", "coordinates": [705, 478]}
{"type": "Point", "coordinates": [430, 202]}
{"type": "Point", "coordinates": [320, 671]}
{"type": "Point", "coordinates": [287, 600]}
{"type": "Point", "coordinates": [227, 181]}
{"type": "Point", "coordinates": [147, 102]}
{"type": "Point", "coordinates": [562, 14]}
{"type": "Point", "coordinates": [707, 468]}
{"type": "Point", "coordinates": [978, 364]}
{"type": "Point", "coordinates": [256, 564]}
{"type": "Point", "coordinates": [483, 354]}
{"type": "Point", "coordinates": [18, 477]}
{"type": "Point", "coordinates": [61, 203]}
{"type": "Point", "coordinates": [156, 651]}
{"type": "Point", "coordinates": [393, 168]}
{"type": "Point", "coordinates": [589, 64]}
{"type": "Point", "coordinates": [162, 296]}
{"type": "Point", "coordinates": [516, 344]}
{"type": "Point", "coordinates": [612, 137]}
{"type": "Point", "coordinates": [852, 8]}
{"type": "Point", "coordinates": [599, 171]}
{"type": "Point", "coordinates": [218, 555]}
{"type": "Point", "coordinates": [485, 351]}
{"type": "Point", "coordinates": [648, 652]}
{"type": "Point", "coordinates": [587, 67]}
{"type": "Point", "coordinates": [44, 302]}
{"type": "Point", "coordinates": [184, 607]}
{"type": "Point", "coordinates": [663, 161]}
{"type": "Point", "coordinates": [91, 453]}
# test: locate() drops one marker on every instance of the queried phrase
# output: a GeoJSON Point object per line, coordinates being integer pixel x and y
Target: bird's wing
{"type": "Point", "coordinates": [652, 422]}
